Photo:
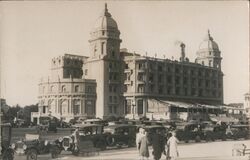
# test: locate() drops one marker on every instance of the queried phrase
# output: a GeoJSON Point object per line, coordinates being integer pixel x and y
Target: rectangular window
{"type": "Point", "coordinates": [177, 91]}
{"type": "Point", "coordinates": [110, 88]}
{"type": "Point", "coordinates": [110, 99]}
{"type": "Point", "coordinates": [140, 88]}
{"type": "Point", "coordinates": [102, 47]}
{"type": "Point", "coordinates": [160, 68]}
{"type": "Point", "coordinates": [110, 109]}
{"type": "Point", "coordinates": [115, 109]}
{"type": "Point", "coordinates": [115, 99]}
{"type": "Point", "coordinates": [114, 89]}
{"type": "Point", "coordinates": [126, 66]}
{"type": "Point", "coordinates": [140, 106]}
{"type": "Point", "coordinates": [128, 106]}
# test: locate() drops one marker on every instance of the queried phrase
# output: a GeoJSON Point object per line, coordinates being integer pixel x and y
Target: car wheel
{"type": "Point", "coordinates": [110, 140]}
{"type": "Point", "coordinates": [101, 145]}
{"type": "Point", "coordinates": [131, 142]}
{"type": "Point", "coordinates": [55, 151]}
{"type": "Point", "coordinates": [7, 155]}
{"type": "Point", "coordinates": [32, 154]}
{"type": "Point", "coordinates": [197, 138]}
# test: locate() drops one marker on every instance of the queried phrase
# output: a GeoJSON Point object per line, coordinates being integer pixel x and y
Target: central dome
{"type": "Point", "coordinates": [105, 21]}
{"type": "Point", "coordinates": [209, 43]}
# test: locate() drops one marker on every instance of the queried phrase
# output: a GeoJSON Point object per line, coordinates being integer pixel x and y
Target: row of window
{"type": "Point", "coordinates": [176, 69]}
{"type": "Point", "coordinates": [170, 91]}
{"type": "Point", "coordinates": [52, 89]}
{"type": "Point", "coordinates": [194, 82]}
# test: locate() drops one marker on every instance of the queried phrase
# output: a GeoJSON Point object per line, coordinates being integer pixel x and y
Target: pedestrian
{"type": "Point", "coordinates": [76, 137]}
{"type": "Point", "coordinates": [143, 146]}
{"type": "Point", "coordinates": [172, 150]}
{"type": "Point", "coordinates": [139, 135]}
{"type": "Point", "coordinates": [158, 144]}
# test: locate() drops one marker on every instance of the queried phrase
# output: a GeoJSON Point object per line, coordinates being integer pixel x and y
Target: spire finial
{"type": "Point", "coordinates": [106, 13]}
{"type": "Point", "coordinates": [208, 33]}
{"type": "Point", "coordinates": [106, 7]}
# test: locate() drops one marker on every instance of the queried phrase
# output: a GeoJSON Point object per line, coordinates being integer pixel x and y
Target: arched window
{"type": "Point", "coordinates": [63, 88]}
{"type": "Point", "coordinates": [51, 88]}
{"type": "Point", "coordinates": [202, 62]}
{"type": "Point", "coordinates": [77, 88]}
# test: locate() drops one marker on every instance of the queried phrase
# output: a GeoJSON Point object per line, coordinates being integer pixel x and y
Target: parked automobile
{"type": "Point", "coordinates": [7, 149]}
{"type": "Point", "coordinates": [93, 121]}
{"type": "Point", "coordinates": [189, 131]}
{"type": "Point", "coordinates": [120, 134]}
{"type": "Point", "coordinates": [151, 129]}
{"type": "Point", "coordinates": [32, 146]}
{"type": "Point", "coordinates": [224, 132]}
{"type": "Point", "coordinates": [137, 123]}
{"type": "Point", "coordinates": [240, 131]}
{"type": "Point", "coordinates": [87, 132]}
{"type": "Point", "coordinates": [47, 124]}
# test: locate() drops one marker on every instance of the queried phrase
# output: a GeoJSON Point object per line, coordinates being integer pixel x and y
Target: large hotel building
{"type": "Point", "coordinates": [114, 82]}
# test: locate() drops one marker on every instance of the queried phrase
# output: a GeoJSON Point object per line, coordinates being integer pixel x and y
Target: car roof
{"type": "Point", "coordinates": [154, 126]}
{"type": "Point", "coordinates": [5, 124]}
{"type": "Point", "coordinates": [119, 125]}
{"type": "Point", "coordinates": [86, 125]}
{"type": "Point", "coordinates": [90, 120]}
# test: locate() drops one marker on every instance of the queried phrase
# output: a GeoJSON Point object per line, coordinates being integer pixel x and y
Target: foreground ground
{"type": "Point", "coordinates": [220, 150]}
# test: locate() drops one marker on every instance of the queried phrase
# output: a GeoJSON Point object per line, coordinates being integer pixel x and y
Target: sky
{"type": "Point", "coordinates": [33, 32]}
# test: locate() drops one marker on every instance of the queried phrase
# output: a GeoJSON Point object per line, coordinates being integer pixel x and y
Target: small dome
{"type": "Point", "coordinates": [105, 21]}
{"type": "Point", "coordinates": [209, 43]}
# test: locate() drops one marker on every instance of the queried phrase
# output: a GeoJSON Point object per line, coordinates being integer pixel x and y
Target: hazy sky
{"type": "Point", "coordinates": [31, 33]}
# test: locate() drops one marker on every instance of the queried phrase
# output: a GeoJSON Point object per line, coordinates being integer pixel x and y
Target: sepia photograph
{"type": "Point", "coordinates": [124, 80]}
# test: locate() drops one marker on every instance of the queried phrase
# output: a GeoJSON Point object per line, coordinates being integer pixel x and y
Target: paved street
{"type": "Point", "coordinates": [220, 150]}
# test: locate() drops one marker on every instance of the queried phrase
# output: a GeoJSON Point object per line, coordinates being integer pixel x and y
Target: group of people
{"type": "Point", "coordinates": [158, 142]}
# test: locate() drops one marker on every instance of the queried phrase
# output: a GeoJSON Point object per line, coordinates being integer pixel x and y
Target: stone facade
{"type": "Point", "coordinates": [65, 94]}
{"type": "Point", "coordinates": [104, 66]}
{"type": "Point", "coordinates": [153, 78]}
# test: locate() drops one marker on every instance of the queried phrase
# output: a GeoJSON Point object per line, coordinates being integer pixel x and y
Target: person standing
{"type": "Point", "coordinates": [76, 138]}
{"type": "Point", "coordinates": [139, 135]}
{"type": "Point", "coordinates": [158, 144]}
{"type": "Point", "coordinates": [143, 146]}
{"type": "Point", "coordinates": [172, 150]}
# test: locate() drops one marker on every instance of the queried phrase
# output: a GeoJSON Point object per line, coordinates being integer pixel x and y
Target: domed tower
{"type": "Point", "coordinates": [104, 65]}
{"type": "Point", "coordinates": [105, 37]}
{"type": "Point", "coordinates": [209, 53]}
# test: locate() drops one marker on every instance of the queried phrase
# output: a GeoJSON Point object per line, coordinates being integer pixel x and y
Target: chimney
{"type": "Point", "coordinates": [182, 45]}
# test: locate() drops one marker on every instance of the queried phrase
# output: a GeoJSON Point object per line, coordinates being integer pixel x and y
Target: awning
{"type": "Point", "coordinates": [223, 119]}
{"type": "Point", "coordinates": [209, 106]}
{"type": "Point", "coordinates": [179, 104]}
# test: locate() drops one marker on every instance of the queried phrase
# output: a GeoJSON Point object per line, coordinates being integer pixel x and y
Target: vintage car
{"type": "Point", "coordinates": [240, 131]}
{"type": "Point", "coordinates": [120, 134]}
{"type": "Point", "coordinates": [224, 132]}
{"type": "Point", "coordinates": [32, 146]}
{"type": "Point", "coordinates": [151, 129]}
{"type": "Point", "coordinates": [93, 121]}
{"type": "Point", "coordinates": [7, 149]}
{"type": "Point", "coordinates": [47, 124]}
{"type": "Point", "coordinates": [189, 131]}
{"type": "Point", "coordinates": [136, 123]}
{"type": "Point", "coordinates": [87, 132]}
